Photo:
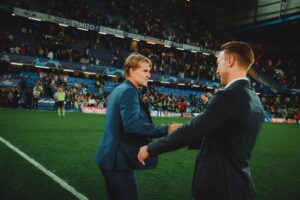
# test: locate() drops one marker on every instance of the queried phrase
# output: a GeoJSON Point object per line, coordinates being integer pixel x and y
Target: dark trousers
{"type": "Point", "coordinates": [35, 103]}
{"type": "Point", "coordinates": [120, 184]}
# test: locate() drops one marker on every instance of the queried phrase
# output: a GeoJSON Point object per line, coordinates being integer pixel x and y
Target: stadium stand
{"type": "Point", "coordinates": [89, 64]}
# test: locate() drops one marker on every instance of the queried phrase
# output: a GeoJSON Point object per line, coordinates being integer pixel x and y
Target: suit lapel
{"type": "Point", "coordinates": [142, 105]}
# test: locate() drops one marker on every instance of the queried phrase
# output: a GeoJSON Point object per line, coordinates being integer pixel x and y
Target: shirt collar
{"type": "Point", "coordinates": [234, 80]}
{"type": "Point", "coordinates": [138, 89]}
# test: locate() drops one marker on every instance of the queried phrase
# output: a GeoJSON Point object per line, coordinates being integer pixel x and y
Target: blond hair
{"type": "Point", "coordinates": [133, 60]}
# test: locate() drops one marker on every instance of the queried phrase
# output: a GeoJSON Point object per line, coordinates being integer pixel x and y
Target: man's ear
{"type": "Point", "coordinates": [231, 59]}
{"type": "Point", "coordinates": [131, 72]}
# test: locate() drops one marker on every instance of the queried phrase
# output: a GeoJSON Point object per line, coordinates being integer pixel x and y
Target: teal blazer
{"type": "Point", "coordinates": [128, 126]}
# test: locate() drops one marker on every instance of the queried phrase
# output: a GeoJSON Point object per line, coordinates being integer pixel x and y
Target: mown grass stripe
{"type": "Point", "coordinates": [60, 181]}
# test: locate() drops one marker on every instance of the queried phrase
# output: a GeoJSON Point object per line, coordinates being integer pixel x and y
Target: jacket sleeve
{"type": "Point", "coordinates": [217, 112]}
{"type": "Point", "coordinates": [133, 120]}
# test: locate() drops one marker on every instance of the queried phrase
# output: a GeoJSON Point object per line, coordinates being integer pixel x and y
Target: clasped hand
{"type": "Point", "coordinates": [144, 154]}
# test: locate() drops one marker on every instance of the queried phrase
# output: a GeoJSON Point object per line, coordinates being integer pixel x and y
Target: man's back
{"type": "Point", "coordinates": [227, 129]}
{"type": "Point", "coordinates": [236, 136]}
{"type": "Point", "coordinates": [113, 126]}
{"type": "Point", "coordinates": [225, 151]}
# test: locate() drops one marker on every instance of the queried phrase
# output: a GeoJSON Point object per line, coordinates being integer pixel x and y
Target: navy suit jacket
{"type": "Point", "coordinates": [227, 128]}
{"type": "Point", "coordinates": [128, 126]}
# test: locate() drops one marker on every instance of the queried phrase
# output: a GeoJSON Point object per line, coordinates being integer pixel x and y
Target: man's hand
{"type": "Point", "coordinates": [172, 127]}
{"type": "Point", "coordinates": [143, 155]}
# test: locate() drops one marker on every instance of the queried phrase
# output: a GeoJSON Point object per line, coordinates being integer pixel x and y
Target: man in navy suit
{"type": "Point", "coordinates": [128, 126]}
{"type": "Point", "coordinates": [227, 130]}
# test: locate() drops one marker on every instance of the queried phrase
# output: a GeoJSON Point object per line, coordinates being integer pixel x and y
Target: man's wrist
{"type": "Point", "coordinates": [147, 149]}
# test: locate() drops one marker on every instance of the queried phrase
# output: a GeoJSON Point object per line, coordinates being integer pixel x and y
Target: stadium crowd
{"type": "Point", "coordinates": [279, 68]}
{"type": "Point", "coordinates": [59, 43]}
{"type": "Point", "coordinates": [45, 86]}
{"type": "Point", "coordinates": [78, 94]}
{"type": "Point", "coordinates": [46, 40]}
{"type": "Point", "coordinates": [144, 18]}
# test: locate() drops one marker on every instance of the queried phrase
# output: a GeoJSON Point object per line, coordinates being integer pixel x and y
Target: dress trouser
{"type": "Point", "coordinates": [120, 184]}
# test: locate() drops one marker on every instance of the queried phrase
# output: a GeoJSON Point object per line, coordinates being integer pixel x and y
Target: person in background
{"type": "Point", "coordinates": [59, 97]}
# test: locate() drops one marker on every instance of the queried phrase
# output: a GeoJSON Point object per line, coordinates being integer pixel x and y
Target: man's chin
{"type": "Point", "coordinates": [223, 84]}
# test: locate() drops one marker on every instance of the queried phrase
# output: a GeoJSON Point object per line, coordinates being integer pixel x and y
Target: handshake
{"type": "Point", "coordinates": [143, 153]}
{"type": "Point", "coordinates": [172, 127]}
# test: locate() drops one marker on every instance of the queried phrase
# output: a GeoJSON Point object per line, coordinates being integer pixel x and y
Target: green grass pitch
{"type": "Point", "coordinates": [67, 146]}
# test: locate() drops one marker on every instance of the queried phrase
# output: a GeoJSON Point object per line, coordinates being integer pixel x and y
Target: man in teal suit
{"type": "Point", "coordinates": [227, 130]}
{"type": "Point", "coordinates": [128, 126]}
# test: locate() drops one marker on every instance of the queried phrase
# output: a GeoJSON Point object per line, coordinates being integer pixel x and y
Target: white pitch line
{"type": "Point", "coordinates": [60, 181]}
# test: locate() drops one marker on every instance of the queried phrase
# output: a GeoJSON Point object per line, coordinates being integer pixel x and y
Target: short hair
{"type": "Point", "coordinates": [242, 50]}
{"type": "Point", "coordinates": [133, 60]}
